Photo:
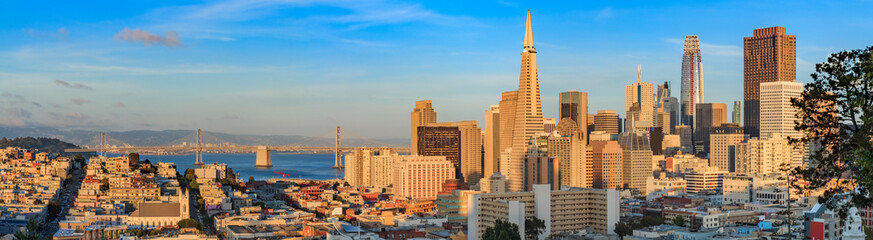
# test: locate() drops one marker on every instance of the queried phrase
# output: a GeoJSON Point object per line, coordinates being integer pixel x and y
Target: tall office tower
{"type": "Point", "coordinates": [507, 122]}
{"type": "Point", "coordinates": [574, 105]}
{"type": "Point", "coordinates": [421, 176]}
{"type": "Point", "coordinates": [639, 102]}
{"type": "Point", "coordinates": [370, 167]}
{"type": "Point", "coordinates": [662, 119]}
{"type": "Point", "coordinates": [770, 55]}
{"type": "Point", "coordinates": [423, 114]}
{"type": "Point", "coordinates": [764, 156]}
{"type": "Point", "coordinates": [723, 142]}
{"type": "Point", "coordinates": [671, 107]}
{"type": "Point", "coordinates": [549, 124]}
{"type": "Point", "coordinates": [692, 79]}
{"type": "Point", "coordinates": [656, 139]}
{"type": "Point", "coordinates": [441, 139]}
{"type": "Point", "coordinates": [580, 162]}
{"type": "Point", "coordinates": [607, 121]}
{"type": "Point", "coordinates": [637, 159]}
{"type": "Point", "coordinates": [492, 141]}
{"type": "Point", "coordinates": [737, 114]}
{"type": "Point", "coordinates": [559, 148]}
{"type": "Point", "coordinates": [708, 116]}
{"type": "Point", "coordinates": [590, 122]}
{"type": "Point", "coordinates": [606, 170]}
{"type": "Point", "coordinates": [528, 110]}
{"type": "Point", "coordinates": [686, 145]}
{"type": "Point", "coordinates": [663, 91]}
{"type": "Point", "coordinates": [777, 114]}
{"type": "Point", "coordinates": [471, 151]}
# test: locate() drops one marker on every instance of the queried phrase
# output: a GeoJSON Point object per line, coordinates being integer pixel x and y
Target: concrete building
{"type": "Point", "coordinates": [770, 55]}
{"type": "Point", "coordinates": [528, 110]}
{"type": "Point", "coordinates": [471, 151]}
{"type": "Point", "coordinates": [580, 162]}
{"type": "Point", "coordinates": [607, 121]}
{"type": "Point", "coordinates": [776, 113]}
{"type": "Point", "coordinates": [607, 161]}
{"type": "Point", "coordinates": [422, 115]}
{"type": "Point", "coordinates": [741, 188]}
{"type": "Point", "coordinates": [441, 139]}
{"type": "Point", "coordinates": [372, 167]}
{"type": "Point", "coordinates": [639, 102]}
{"type": "Point", "coordinates": [637, 159]}
{"type": "Point", "coordinates": [707, 117]}
{"type": "Point", "coordinates": [692, 79]}
{"type": "Point", "coordinates": [454, 206]}
{"type": "Point", "coordinates": [723, 144]}
{"type": "Point", "coordinates": [496, 183]}
{"type": "Point", "coordinates": [262, 158]}
{"type": "Point", "coordinates": [686, 142]}
{"type": "Point", "coordinates": [491, 141]}
{"type": "Point", "coordinates": [574, 105]}
{"type": "Point", "coordinates": [671, 107]}
{"type": "Point", "coordinates": [705, 178]}
{"type": "Point", "coordinates": [421, 176]}
{"type": "Point", "coordinates": [564, 211]}
{"type": "Point", "coordinates": [765, 156]}
{"type": "Point", "coordinates": [549, 124]}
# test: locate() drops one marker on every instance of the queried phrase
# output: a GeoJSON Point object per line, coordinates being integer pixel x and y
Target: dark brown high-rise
{"type": "Point", "coordinates": [769, 56]}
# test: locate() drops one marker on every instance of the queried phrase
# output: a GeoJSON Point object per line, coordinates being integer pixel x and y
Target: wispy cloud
{"type": "Point", "coordinates": [605, 14]}
{"type": "Point", "coordinates": [72, 85]}
{"type": "Point", "coordinates": [17, 112]}
{"type": "Point", "coordinates": [60, 34]}
{"type": "Point", "coordinates": [231, 117]}
{"type": "Point", "coordinates": [119, 105]}
{"type": "Point", "coordinates": [79, 101]}
{"type": "Point", "coordinates": [170, 40]}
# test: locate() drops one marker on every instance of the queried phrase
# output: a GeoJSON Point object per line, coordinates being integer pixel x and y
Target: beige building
{"type": "Point", "coordinates": [471, 151]}
{"type": "Point", "coordinates": [421, 176]}
{"type": "Point", "coordinates": [637, 159]}
{"type": "Point", "coordinates": [705, 178]}
{"type": "Point", "coordinates": [706, 118]}
{"type": "Point", "coordinates": [574, 105]}
{"type": "Point", "coordinates": [606, 169]}
{"type": "Point", "coordinates": [765, 156]}
{"type": "Point", "coordinates": [496, 183]}
{"type": "Point", "coordinates": [639, 102]}
{"type": "Point", "coordinates": [528, 111]}
{"type": "Point", "coordinates": [723, 149]}
{"type": "Point", "coordinates": [581, 163]}
{"type": "Point", "coordinates": [778, 116]}
{"type": "Point", "coordinates": [371, 167]}
{"type": "Point", "coordinates": [491, 141]}
{"type": "Point", "coordinates": [607, 121]}
{"type": "Point", "coordinates": [422, 115]}
{"type": "Point", "coordinates": [564, 211]}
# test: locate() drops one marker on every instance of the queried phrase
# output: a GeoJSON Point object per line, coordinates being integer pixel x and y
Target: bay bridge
{"type": "Point", "coordinates": [304, 147]}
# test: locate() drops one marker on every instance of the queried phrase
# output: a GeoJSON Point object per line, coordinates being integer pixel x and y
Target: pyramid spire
{"type": "Point", "coordinates": [528, 34]}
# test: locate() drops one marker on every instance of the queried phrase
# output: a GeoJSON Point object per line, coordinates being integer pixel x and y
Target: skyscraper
{"type": "Point", "coordinates": [492, 141]}
{"type": "Point", "coordinates": [421, 176]}
{"type": "Point", "coordinates": [723, 141]}
{"type": "Point", "coordinates": [607, 121]}
{"type": "Point", "coordinates": [606, 171]}
{"type": "Point", "coordinates": [574, 105]}
{"type": "Point", "coordinates": [639, 102]}
{"type": "Point", "coordinates": [471, 151]}
{"type": "Point", "coordinates": [423, 114]}
{"type": "Point", "coordinates": [770, 55]}
{"type": "Point", "coordinates": [671, 106]}
{"type": "Point", "coordinates": [737, 114]}
{"type": "Point", "coordinates": [707, 117]}
{"type": "Point", "coordinates": [637, 159]}
{"type": "Point", "coordinates": [662, 91]}
{"type": "Point", "coordinates": [441, 139]}
{"type": "Point", "coordinates": [777, 115]}
{"type": "Point", "coordinates": [528, 110]}
{"type": "Point", "coordinates": [692, 79]}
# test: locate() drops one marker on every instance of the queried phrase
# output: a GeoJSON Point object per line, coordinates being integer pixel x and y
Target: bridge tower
{"type": "Point", "coordinates": [338, 158]}
{"type": "Point", "coordinates": [103, 144]}
{"type": "Point", "coordinates": [198, 150]}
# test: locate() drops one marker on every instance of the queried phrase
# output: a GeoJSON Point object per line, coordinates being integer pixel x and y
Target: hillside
{"type": "Point", "coordinates": [42, 144]}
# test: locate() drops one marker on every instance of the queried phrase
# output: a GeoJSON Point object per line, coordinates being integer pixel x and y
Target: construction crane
{"type": "Point", "coordinates": [284, 175]}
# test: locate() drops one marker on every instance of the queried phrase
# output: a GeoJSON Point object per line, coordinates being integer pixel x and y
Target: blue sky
{"type": "Point", "coordinates": [302, 67]}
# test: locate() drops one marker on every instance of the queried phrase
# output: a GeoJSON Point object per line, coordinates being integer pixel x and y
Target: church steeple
{"type": "Point", "coordinates": [528, 35]}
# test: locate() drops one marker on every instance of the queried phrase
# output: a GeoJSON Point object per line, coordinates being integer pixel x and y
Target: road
{"type": "Point", "coordinates": [67, 199]}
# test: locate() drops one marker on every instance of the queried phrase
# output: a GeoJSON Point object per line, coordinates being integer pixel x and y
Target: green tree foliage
{"type": "Point", "coordinates": [31, 232]}
{"type": "Point", "coordinates": [622, 229]}
{"type": "Point", "coordinates": [50, 145]}
{"type": "Point", "coordinates": [679, 221]}
{"type": "Point", "coordinates": [533, 227]}
{"type": "Point", "coordinates": [190, 223]}
{"type": "Point", "coordinates": [502, 230]}
{"type": "Point", "coordinates": [836, 116]}
{"type": "Point", "coordinates": [37, 202]}
{"type": "Point", "coordinates": [251, 179]}
{"type": "Point", "coordinates": [104, 184]}
{"type": "Point", "coordinates": [189, 174]}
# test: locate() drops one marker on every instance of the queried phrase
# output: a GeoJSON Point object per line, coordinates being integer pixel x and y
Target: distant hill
{"type": "Point", "coordinates": [87, 138]}
{"type": "Point", "coordinates": [50, 145]}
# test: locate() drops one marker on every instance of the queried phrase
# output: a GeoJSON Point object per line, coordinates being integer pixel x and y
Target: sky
{"type": "Point", "coordinates": [302, 67]}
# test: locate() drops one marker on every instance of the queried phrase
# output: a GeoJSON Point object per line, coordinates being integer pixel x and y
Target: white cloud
{"type": "Point", "coordinates": [170, 40]}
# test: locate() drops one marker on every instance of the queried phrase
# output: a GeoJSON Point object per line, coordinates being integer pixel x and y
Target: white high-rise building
{"type": "Point", "coordinates": [777, 115]}
{"type": "Point", "coordinates": [692, 79]}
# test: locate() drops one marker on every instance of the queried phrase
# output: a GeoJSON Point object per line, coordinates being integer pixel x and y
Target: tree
{"type": "Point", "coordinates": [189, 223]}
{"type": "Point", "coordinates": [30, 233]}
{"type": "Point", "coordinates": [502, 230]}
{"type": "Point", "coordinates": [104, 184]}
{"type": "Point", "coordinates": [622, 229]}
{"type": "Point", "coordinates": [679, 221]}
{"type": "Point", "coordinates": [251, 179]}
{"type": "Point", "coordinates": [37, 202]}
{"type": "Point", "coordinates": [533, 227]}
{"type": "Point", "coordinates": [835, 116]}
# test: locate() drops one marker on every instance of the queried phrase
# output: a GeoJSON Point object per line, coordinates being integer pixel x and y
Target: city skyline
{"type": "Point", "coordinates": [68, 75]}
